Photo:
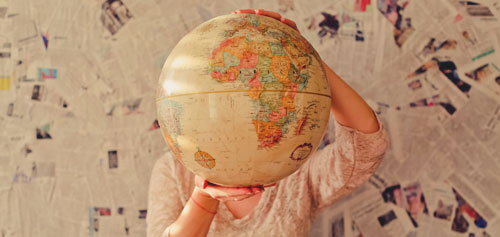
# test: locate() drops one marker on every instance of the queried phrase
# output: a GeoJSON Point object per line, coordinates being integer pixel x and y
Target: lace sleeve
{"type": "Point", "coordinates": [164, 201]}
{"type": "Point", "coordinates": [346, 164]}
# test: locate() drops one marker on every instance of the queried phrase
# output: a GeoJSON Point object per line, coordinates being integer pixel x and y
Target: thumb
{"type": "Point", "coordinates": [200, 182]}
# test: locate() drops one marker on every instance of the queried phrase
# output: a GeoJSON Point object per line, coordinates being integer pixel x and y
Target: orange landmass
{"type": "Point", "coordinates": [288, 103]}
{"type": "Point", "coordinates": [254, 92]}
{"type": "Point", "coordinates": [267, 132]}
{"type": "Point", "coordinates": [217, 58]}
{"type": "Point", "coordinates": [279, 67]}
{"type": "Point", "coordinates": [171, 144]}
{"type": "Point", "coordinates": [261, 48]}
{"type": "Point", "coordinates": [300, 125]}
{"type": "Point", "coordinates": [238, 47]}
{"type": "Point", "coordinates": [231, 74]}
{"type": "Point", "coordinates": [204, 159]}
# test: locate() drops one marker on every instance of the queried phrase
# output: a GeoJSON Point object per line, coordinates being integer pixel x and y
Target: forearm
{"type": "Point", "coordinates": [348, 107]}
{"type": "Point", "coordinates": [193, 220]}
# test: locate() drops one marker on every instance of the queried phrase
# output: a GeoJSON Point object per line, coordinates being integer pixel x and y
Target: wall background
{"type": "Point", "coordinates": [77, 113]}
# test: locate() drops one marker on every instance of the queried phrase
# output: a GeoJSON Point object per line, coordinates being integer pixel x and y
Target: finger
{"type": "Point", "coordinates": [248, 11]}
{"type": "Point", "coordinates": [224, 191]}
{"type": "Point", "coordinates": [269, 185]}
{"type": "Point", "coordinates": [242, 197]}
{"type": "Point", "coordinates": [200, 182]}
{"type": "Point", "coordinates": [234, 189]}
{"type": "Point", "coordinates": [224, 195]}
{"type": "Point", "coordinates": [239, 199]}
{"type": "Point", "coordinates": [232, 197]}
{"type": "Point", "coordinates": [274, 15]}
{"type": "Point", "coordinates": [211, 184]}
{"type": "Point", "coordinates": [226, 199]}
{"type": "Point", "coordinates": [257, 189]}
{"type": "Point", "coordinates": [245, 190]}
{"type": "Point", "coordinates": [289, 23]}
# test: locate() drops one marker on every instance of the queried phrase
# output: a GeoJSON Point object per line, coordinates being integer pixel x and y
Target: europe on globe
{"type": "Point", "coordinates": [243, 100]}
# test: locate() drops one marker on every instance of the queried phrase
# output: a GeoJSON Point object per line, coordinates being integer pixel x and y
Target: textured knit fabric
{"type": "Point", "coordinates": [285, 209]}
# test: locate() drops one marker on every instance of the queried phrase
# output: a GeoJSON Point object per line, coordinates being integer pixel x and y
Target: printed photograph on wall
{"type": "Point", "coordinates": [114, 15]}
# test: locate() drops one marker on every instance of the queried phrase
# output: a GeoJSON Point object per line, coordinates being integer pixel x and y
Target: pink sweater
{"type": "Point", "coordinates": [285, 209]}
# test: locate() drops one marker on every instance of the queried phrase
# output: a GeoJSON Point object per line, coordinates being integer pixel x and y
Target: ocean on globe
{"type": "Point", "coordinates": [243, 100]}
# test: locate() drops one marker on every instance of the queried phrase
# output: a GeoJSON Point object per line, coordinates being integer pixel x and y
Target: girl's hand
{"type": "Point", "coordinates": [274, 15]}
{"type": "Point", "coordinates": [227, 193]}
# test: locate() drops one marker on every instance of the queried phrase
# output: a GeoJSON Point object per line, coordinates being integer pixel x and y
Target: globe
{"type": "Point", "coordinates": [243, 100]}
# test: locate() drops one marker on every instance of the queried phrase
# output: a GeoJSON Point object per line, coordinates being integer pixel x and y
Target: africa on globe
{"type": "Point", "coordinates": [243, 100]}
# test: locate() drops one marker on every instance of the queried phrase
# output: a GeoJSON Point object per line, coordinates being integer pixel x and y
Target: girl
{"type": "Point", "coordinates": [182, 204]}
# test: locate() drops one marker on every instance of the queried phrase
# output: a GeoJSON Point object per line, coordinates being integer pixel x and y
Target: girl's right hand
{"type": "Point", "coordinates": [224, 194]}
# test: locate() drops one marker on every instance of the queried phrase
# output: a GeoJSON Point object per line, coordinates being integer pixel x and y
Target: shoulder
{"type": "Point", "coordinates": [179, 176]}
{"type": "Point", "coordinates": [168, 163]}
{"type": "Point", "coordinates": [165, 165]}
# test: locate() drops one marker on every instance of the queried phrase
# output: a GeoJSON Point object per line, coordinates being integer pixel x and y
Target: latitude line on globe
{"type": "Point", "coordinates": [230, 91]}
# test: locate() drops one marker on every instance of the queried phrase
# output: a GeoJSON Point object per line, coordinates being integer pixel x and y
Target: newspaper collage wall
{"type": "Point", "coordinates": [78, 122]}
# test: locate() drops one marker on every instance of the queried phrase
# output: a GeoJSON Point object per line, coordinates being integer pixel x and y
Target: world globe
{"type": "Point", "coordinates": [243, 100]}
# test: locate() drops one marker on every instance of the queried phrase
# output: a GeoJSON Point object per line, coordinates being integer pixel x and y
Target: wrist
{"type": "Point", "coordinates": [204, 197]}
{"type": "Point", "coordinates": [204, 200]}
{"type": "Point", "coordinates": [200, 194]}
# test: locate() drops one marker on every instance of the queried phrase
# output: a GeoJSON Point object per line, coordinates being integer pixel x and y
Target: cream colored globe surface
{"type": "Point", "coordinates": [243, 100]}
